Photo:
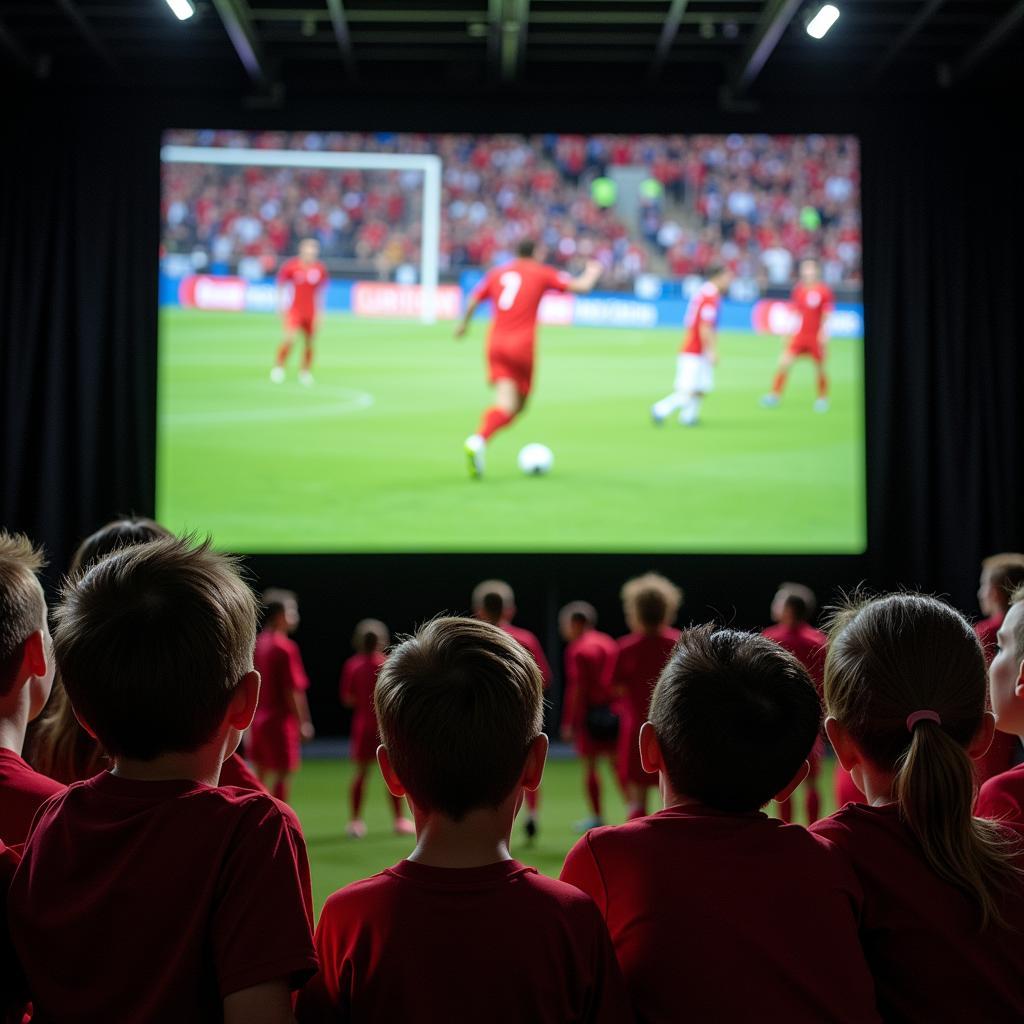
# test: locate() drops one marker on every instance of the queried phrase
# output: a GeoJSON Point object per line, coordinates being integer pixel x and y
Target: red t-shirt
{"type": "Point", "coordinates": [589, 673]}
{"type": "Point", "coordinates": [812, 303]}
{"type": "Point", "coordinates": [920, 934]}
{"type": "Point", "coordinates": [279, 663]}
{"type": "Point", "coordinates": [1002, 797]}
{"type": "Point", "coordinates": [495, 943]}
{"type": "Point", "coordinates": [13, 993]}
{"type": "Point", "coordinates": [641, 658]}
{"type": "Point", "coordinates": [515, 290]}
{"type": "Point", "coordinates": [727, 917]}
{"type": "Point", "coordinates": [306, 280]}
{"type": "Point", "coordinates": [1000, 755]}
{"type": "Point", "coordinates": [152, 901]}
{"type": "Point", "coordinates": [22, 791]}
{"type": "Point", "coordinates": [358, 681]}
{"type": "Point", "coordinates": [702, 309]}
{"type": "Point", "coordinates": [532, 644]}
{"type": "Point", "coordinates": [807, 644]}
{"type": "Point", "coordinates": [236, 772]}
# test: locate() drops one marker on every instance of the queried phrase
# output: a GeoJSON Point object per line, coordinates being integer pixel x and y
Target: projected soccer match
{"type": "Point", "coordinates": [379, 342]}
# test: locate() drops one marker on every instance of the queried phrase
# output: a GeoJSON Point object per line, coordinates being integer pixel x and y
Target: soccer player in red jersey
{"type": "Point", "coordinates": [307, 277]}
{"type": "Point", "coordinates": [812, 300]}
{"type": "Point", "coordinates": [26, 678]}
{"type": "Point", "coordinates": [941, 902]}
{"type": "Point", "coordinates": [718, 912]}
{"type": "Point", "coordinates": [515, 290]}
{"type": "Point", "coordinates": [358, 681]}
{"type": "Point", "coordinates": [460, 931]}
{"type": "Point", "coordinates": [651, 604]}
{"type": "Point", "coordinates": [792, 609]}
{"type": "Point", "coordinates": [494, 601]}
{"type": "Point", "coordinates": [588, 721]}
{"type": "Point", "coordinates": [282, 722]}
{"type": "Point", "coordinates": [695, 365]}
{"type": "Point", "coordinates": [1002, 796]}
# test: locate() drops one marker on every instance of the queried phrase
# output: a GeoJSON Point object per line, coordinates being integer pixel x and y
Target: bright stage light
{"type": "Point", "coordinates": [823, 21]}
{"type": "Point", "coordinates": [183, 9]}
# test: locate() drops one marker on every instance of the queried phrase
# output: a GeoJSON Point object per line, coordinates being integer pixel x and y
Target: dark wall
{"type": "Point", "coordinates": [79, 189]}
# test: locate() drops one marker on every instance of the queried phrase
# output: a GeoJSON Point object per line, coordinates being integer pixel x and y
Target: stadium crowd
{"type": "Point", "coordinates": [149, 875]}
{"type": "Point", "coordinates": [757, 203]}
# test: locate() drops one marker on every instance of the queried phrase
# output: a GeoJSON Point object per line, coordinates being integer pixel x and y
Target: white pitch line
{"type": "Point", "coordinates": [351, 402]}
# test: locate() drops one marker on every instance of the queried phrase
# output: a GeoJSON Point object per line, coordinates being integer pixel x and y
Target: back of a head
{"type": "Point", "coordinates": [117, 534]}
{"type": "Point", "coordinates": [22, 605]}
{"type": "Point", "coordinates": [274, 602]}
{"type": "Point", "coordinates": [798, 600]}
{"type": "Point", "coordinates": [152, 642]}
{"type": "Point", "coordinates": [893, 656]}
{"type": "Point", "coordinates": [370, 635]}
{"type": "Point", "coordinates": [493, 599]}
{"type": "Point", "coordinates": [458, 705]}
{"type": "Point", "coordinates": [650, 601]}
{"type": "Point", "coordinates": [1004, 573]}
{"type": "Point", "coordinates": [578, 613]}
{"type": "Point", "coordinates": [735, 715]}
{"type": "Point", "coordinates": [526, 248]}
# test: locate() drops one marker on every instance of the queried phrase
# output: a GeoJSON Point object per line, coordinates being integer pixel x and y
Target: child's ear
{"type": "Point", "coordinates": [846, 751]}
{"type": "Point", "coordinates": [244, 701]}
{"type": "Point", "coordinates": [34, 660]}
{"type": "Point", "coordinates": [391, 780]}
{"type": "Point", "coordinates": [533, 770]}
{"type": "Point", "coordinates": [650, 750]}
{"type": "Point", "coordinates": [978, 747]}
{"type": "Point", "coordinates": [1018, 690]}
{"type": "Point", "coordinates": [801, 773]}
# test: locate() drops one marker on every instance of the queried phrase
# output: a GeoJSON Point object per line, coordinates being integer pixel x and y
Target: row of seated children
{"type": "Point", "coordinates": [707, 908]}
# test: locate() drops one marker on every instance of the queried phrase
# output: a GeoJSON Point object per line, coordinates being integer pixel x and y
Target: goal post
{"type": "Point", "coordinates": [428, 164]}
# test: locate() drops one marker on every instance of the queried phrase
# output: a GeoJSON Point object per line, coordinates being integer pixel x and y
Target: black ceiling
{"type": "Point", "coordinates": [733, 51]}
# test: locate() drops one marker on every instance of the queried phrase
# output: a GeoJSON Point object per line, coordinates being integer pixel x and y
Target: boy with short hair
{"type": "Point", "coordinates": [1002, 796]}
{"type": "Point", "coordinates": [588, 720]}
{"type": "Point", "coordinates": [282, 722]}
{"type": "Point", "coordinates": [460, 930]}
{"type": "Point", "coordinates": [792, 610]}
{"type": "Point", "coordinates": [717, 911]}
{"type": "Point", "coordinates": [26, 678]}
{"type": "Point", "coordinates": [494, 601]}
{"type": "Point", "coordinates": [158, 895]}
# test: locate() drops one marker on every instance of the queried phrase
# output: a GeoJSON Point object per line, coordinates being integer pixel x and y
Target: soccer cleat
{"type": "Point", "coordinates": [530, 827]}
{"type": "Point", "coordinates": [474, 447]}
{"type": "Point", "coordinates": [689, 419]}
{"type": "Point", "coordinates": [404, 827]}
{"type": "Point", "coordinates": [821, 405]}
{"type": "Point", "coordinates": [277, 375]}
{"type": "Point", "coordinates": [587, 824]}
{"type": "Point", "coordinates": [656, 418]}
{"type": "Point", "coordinates": [770, 401]}
{"type": "Point", "coordinates": [356, 829]}
{"type": "Point", "coordinates": [305, 378]}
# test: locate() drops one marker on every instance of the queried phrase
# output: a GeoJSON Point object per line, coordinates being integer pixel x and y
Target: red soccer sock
{"type": "Point", "coordinates": [307, 358]}
{"type": "Point", "coordinates": [532, 800]}
{"type": "Point", "coordinates": [779, 383]}
{"type": "Point", "coordinates": [493, 420]}
{"type": "Point", "coordinates": [786, 809]}
{"type": "Point", "coordinates": [280, 790]}
{"type": "Point", "coordinates": [282, 352]}
{"type": "Point", "coordinates": [396, 803]}
{"type": "Point", "coordinates": [356, 793]}
{"type": "Point", "coordinates": [594, 791]}
{"type": "Point", "coordinates": [822, 384]}
{"type": "Point", "coordinates": [813, 805]}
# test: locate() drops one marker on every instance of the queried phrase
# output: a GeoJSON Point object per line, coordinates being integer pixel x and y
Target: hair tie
{"type": "Point", "coordinates": [922, 716]}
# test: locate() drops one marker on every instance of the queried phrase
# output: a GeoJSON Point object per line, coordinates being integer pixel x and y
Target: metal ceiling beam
{"type": "Point", "coordinates": [88, 33]}
{"type": "Point", "coordinates": [989, 42]}
{"type": "Point", "coordinates": [514, 20]}
{"type": "Point", "coordinates": [669, 31]}
{"type": "Point", "coordinates": [774, 22]}
{"type": "Point", "coordinates": [237, 20]}
{"type": "Point", "coordinates": [339, 23]}
{"type": "Point", "coordinates": [915, 25]}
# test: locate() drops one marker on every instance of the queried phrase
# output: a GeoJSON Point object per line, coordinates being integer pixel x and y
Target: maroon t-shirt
{"type": "Point", "coordinates": [236, 772]}
{"type": "Point", "coordinates": [807, 644]}
{"type": "Point", "coordinates": [727, 917]}
{"type": "Point", "coordinates": [499, 943]}
{"type": "Point", "coordinates": [589, 673]}
{"type": "Point", "coordinates": [22, 791]}
{"type": "Point", "coordinates": [529, 640]}
{"type": "Point", "coordinates": [152, 901]}
{"type": "Point", "coordinates": [1002, 798]}
{"type": "Point", "coordinates": [921, 935]}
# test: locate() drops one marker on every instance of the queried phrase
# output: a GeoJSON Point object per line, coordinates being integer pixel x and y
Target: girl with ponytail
{"type": "Point", "coordinates": [942, 915]}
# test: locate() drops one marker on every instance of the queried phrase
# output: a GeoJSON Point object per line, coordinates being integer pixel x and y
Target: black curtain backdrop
{"type": "Point", "coordinates": [943, 205]}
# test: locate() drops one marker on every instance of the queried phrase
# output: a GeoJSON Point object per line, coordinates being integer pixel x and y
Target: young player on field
{"type": "Point", "coordinates": [695, 365]}
{"type": "Point", "coordinates": [358, 682]}
{"type": "Point", "coordinates": [515, 290]}
{"type": "Point", "coordinates": [792, 610]}
{"type": "Point", "coordinates": [460, 931]}
{"type": "Point", "coordinates": [812, 300]}
{"type": "Point", "coordinates": [307, 277]}
{"type": "Point", "coordinates": [588, 721]}
{"type": "Point", "coordinates": [718, 912]}
{"type": "Point", "coordinates": [495, 602]}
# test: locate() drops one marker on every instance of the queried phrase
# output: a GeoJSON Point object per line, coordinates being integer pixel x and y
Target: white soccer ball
{"type": "Point", "coordinates": [536, 459]}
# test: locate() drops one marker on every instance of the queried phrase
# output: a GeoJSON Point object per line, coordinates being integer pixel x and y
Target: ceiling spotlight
{"type": "Point", "coordinates": [823, 21]}
{"type": "Point", "coordinates": [183, 9]}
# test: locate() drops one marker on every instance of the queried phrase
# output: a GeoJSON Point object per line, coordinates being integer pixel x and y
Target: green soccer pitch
{"type": "Point", "coordinates": [320, 796]}
{"type": "Point", "coordinates": [370, 458]}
